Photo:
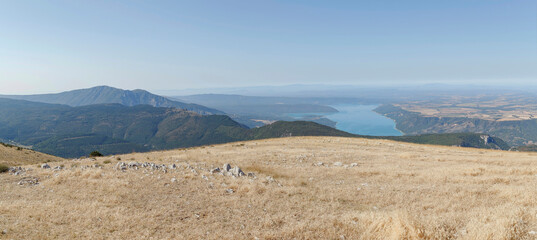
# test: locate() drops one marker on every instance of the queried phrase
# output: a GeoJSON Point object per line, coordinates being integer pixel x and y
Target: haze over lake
{"type": "Point", "coordinates": [361, 119]}
{"type": "Point", "coordinates": [358, 119]}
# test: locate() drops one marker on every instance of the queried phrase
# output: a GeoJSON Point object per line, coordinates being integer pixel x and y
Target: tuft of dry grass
{"type": "Point", "coordinates": [397, 191]}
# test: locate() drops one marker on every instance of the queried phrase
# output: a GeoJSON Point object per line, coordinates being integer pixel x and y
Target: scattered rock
{"type": "Point", "coordinates": [338, 164]}
{"type": "Point", "coordinates": [319, 164]}
{"type": "Point", "coordinates": [251, 175]}
{"type": "Point", "coordinates": [216, 170]}
{"type": "Point", "coordinates": [121, 166]}
{"type": "Point", "coordinates": [354, 165]}
{"type": "Point", "coordinates": [17, 170]}
{"type": "Point", "coordinates": [236, 171]}
{"type": "Point", "coordinates": [230, 191]}
{"type": "Point", "coordinates": [205, 177]}
{"type": "Point", "coordinates": [226, 167]}
{"type": "Point", "coordinates": [133, 165]}
{"type": "Point", "coordinates": [29, 181]}
{"type": "Point", "coordinates": [174, 180]}
{"type": "Point", "coordinates": [45, 166]}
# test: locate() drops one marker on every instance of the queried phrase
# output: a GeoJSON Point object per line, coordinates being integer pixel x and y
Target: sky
{"type": "Point", "coordinates": [53, 46]}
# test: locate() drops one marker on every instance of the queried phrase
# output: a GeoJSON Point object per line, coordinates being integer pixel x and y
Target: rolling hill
{"type": "Point", "coordinates": [105, 94]}
{"type": "Point", "coordinates": [305, 128]}
{"type": "Point", "coordinates": [14, 156]}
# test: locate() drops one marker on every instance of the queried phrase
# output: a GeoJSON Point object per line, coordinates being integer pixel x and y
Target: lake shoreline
{"type": "Point", "coordinates": [357, 119]}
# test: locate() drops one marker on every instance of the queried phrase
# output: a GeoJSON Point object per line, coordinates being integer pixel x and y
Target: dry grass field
{"type": "Point", "coordinates": [396, 191]}
{"type": "Point", "coordinates": [508, 107]}
{"type": "Point", "coordinates": [13, 156]}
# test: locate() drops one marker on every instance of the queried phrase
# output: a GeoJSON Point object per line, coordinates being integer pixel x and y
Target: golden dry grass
{"type": "Point", "coordinates": [397, 191]}
{"type": "Point", "coordinates": [13, 156]}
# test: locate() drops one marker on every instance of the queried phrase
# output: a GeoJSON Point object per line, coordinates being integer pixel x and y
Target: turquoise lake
{"type": "Point", "coordinates": [359, 119]}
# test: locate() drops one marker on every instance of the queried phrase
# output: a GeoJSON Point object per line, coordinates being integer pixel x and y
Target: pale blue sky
{"type": "Point", "coordinates": [50, 46]}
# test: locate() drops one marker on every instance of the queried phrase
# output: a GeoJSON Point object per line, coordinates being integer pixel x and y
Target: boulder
{"type": "Point", "coordinates": [45, 166]}
{"type": "Point", "coordinates": [121, 166]}
{"type": "Point", "coordinates": [226, 167]}
{"type": "Point", "coordinates": [236, 171]}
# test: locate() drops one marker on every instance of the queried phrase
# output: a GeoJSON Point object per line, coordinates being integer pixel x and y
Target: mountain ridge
{"type": "Point", "coordinates": [106, 94]}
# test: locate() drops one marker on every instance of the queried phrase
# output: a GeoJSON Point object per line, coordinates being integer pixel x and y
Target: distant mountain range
{"type": "Point", "coordinates": [105, 94]}
{"type": "Point", "coordinates": [256, 111]}
{"type": "Point", "coordinates": [67, 131]}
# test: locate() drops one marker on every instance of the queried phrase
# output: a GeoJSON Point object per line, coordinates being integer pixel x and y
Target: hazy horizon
{"type": "Point", "coordinates": [56, 46]}
{"type": "Point", "coordinates": [291, 89]}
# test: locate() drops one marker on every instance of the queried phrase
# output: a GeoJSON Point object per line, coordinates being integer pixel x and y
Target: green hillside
{"type": "Point", "coordinates": [296, 128]}
{"type": "Point", "coordinates": [112, 128]}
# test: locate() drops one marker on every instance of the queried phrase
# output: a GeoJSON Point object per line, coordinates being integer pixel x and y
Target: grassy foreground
{"type": "Point", "coordinates": [396, 191]}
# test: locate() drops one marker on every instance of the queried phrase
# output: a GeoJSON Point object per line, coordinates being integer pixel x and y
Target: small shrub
{"type": "Point", "coordinates": [3, 168]}
{"type": "Point", "coordinates": [95, 154]}
{"type": "Point", "coordinates": [19, 149]}
{"type": "Point", "coordinates": [107, 162]}
{"type": "Point", "coordinates": [118, 158]}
